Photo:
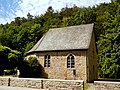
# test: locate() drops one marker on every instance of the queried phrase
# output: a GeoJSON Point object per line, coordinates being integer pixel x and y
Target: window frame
{"type": "Point", "coordinates": [47, 60]}
{"type": "Point", "coordinates": [70, 61]}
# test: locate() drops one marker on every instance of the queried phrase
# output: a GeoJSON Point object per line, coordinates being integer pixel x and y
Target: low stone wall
{"type": "Point", "coordinates": [51, 84]}
{"type": "Point", "coordinates": [106, 85]}
{"type": "Point", "coordinates": [4, 81]}
{"type": "Point", "coordinates": [25, 82]}
{"type": "Point", "coordinates": [63, 84]}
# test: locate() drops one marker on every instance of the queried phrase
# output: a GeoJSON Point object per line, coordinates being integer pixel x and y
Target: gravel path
{"type": "Point", "coordinates": [16, 88]}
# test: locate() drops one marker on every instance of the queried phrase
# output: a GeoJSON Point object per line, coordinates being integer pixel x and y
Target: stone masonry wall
{"type": "Point", "coordinates": [4, 81]}
{"type": "Point", "coordinates": [25, 82]}
{"type": "Point", "coordinates": [92, 63]}
{"type": "Point", "coordinates": [51, 84]}
{"type": "Point", "coordinates": [106, 85]}
{"type": "Point", "coordinates": [63, 84]}
{"type": "Point", "coordinates": [58, 65]}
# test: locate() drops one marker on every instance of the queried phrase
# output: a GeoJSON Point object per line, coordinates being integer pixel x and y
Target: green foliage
{"type": "Point", "coordinates": [109, 49]}
{"type": "Point", "coordinates": [33, 63]}
{"type": "Point", "coordinates": [86, 86]}
{"type": "Point", "coordinates": [10, 72]}
{"type": "Point", "coordinates": [8, 58]}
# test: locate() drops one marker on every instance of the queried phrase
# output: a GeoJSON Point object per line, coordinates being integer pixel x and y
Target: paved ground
{"type": "Point", "coordinates": [16, 88]}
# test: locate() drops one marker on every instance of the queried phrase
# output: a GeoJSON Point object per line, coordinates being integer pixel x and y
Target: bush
{"type": "Point", "coordinates": [10, 72]}
{"type": "Point", "coordinates": [32, 69]}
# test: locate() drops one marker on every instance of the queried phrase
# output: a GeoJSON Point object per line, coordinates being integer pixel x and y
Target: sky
{"type": "Point", "coordinates": [9, 9]}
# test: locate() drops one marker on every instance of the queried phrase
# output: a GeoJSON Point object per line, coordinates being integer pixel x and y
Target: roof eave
{"type": "Point", "coordinates": [85, 49]}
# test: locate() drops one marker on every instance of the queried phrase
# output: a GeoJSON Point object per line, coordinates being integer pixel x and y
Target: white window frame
{"type": "Point", "coordinates": [70, 61]}
{"type": "Point", "coordinates": [47, 61]}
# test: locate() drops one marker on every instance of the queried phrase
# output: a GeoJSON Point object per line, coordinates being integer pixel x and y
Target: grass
{"type": "Point", "coordinates": [86, 86]}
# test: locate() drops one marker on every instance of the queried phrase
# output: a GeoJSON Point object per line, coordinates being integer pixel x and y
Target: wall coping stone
{"type": "Point", "coordinates": [107, 82]}
{"type": "Point", "coordinates": [6, 77]}
{"type": "Point", "coordinates": [47, 79]}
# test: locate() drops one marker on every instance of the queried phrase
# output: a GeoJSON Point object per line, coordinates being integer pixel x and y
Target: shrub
{"type": "Point", "coordinates": [32, 69]}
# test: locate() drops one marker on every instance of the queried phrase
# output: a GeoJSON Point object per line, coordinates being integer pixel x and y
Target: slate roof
{"type": "Point", "coordinates": [66, 38]}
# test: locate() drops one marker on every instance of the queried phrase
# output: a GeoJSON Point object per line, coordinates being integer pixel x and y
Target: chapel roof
{"type": "Point", "coordinates": [66, 38]}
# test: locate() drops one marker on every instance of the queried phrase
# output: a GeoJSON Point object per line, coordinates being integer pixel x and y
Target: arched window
{"type": "Point", "coordinates": [47, 61]}
{"type": "Point", "coordinates": [70, 61]}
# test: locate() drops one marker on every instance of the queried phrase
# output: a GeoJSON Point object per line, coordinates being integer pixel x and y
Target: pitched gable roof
{"type": "Point", "coordinates": [66, 38]}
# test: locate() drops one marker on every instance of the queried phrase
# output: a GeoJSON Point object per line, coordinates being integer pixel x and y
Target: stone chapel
{"type": "Point", "coordinates": [68, 53]}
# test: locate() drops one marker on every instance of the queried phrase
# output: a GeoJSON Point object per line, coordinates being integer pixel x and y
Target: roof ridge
{"type": "Point", "coordinates": [71, 26]}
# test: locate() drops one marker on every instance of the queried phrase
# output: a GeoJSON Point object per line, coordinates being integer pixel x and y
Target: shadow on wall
{"type": "Point", "coordinates": [43, 74]}
{"type": "Point", "coordinates": [31, 68]}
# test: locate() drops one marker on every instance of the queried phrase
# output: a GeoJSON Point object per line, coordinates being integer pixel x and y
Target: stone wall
{"type": "Point", "coordinates": [106, 85]}
{"type": "Point", "coordinates": [25, 82]}
{"type": "Point", "coordinates": [63, 84]}
{"type": "Point", "coordinates": [58, 65]}
{"type": "Point", "coordinates": [4, 81]}
{"type": "Point", "coordinates": [52, 84]}
{"type": "Point", "coordinates": [92, 63]}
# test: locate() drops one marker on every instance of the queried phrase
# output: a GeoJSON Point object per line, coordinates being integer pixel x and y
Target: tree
{"type": "Point", "coordinates": [109, 49]}
{"type": "Point", "coordinates": [8, 58]}
{"type": "Point", "coordinates": [29, 16]}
